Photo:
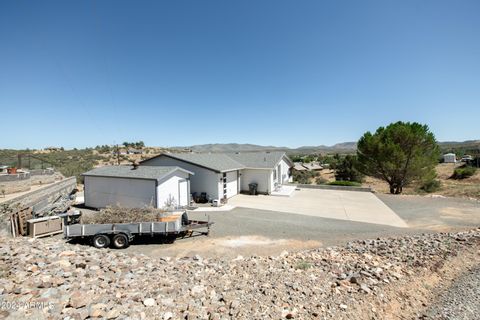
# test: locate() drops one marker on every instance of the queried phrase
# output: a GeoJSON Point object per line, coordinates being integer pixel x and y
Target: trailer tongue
{"type": "Point", "coordinates": [119, 235]}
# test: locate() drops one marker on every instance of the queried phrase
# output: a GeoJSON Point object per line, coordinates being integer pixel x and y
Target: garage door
{"type": "Point", "coordinates": [232, 183]}
{"type": "Point", "coordinates": [183, 193]}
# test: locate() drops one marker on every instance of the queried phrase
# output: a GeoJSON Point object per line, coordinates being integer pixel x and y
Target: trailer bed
{"type": "Point", "coordinates": [171, 227]}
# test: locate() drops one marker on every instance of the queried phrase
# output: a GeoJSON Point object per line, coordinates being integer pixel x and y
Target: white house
{"type": "Point", "coordinates": [449, 158]}
{"type": "Point", "coordinates": [137, 187]}
{"type": "Point", "coordinates": [223, 175]}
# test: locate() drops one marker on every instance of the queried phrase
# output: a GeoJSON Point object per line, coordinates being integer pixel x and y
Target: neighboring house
{"type": "Point", "coordinates": [449, 158]}
{"type": "Point", "coordinates": [299, 166]}
{"type": "Point", "coordinates": [135, 151]}
{"type": "Point", "coordinates": [224, 175]}
{"type": "Point", "coordinates": [313, 166]}
{"type": "Point", "coordinates": [137, 187]}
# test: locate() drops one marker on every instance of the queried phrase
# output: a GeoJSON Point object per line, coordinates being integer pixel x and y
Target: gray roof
{"type": "Point", "coordinates": [141, 172]}
{"type": "Point", "coordinates": [258, 160]}
{"type": "Point", "coordinates": [223, 162]}
{"type": "Point", "coordinates": [216, 161]}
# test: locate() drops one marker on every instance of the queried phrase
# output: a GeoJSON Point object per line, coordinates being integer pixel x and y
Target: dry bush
{"type": "Point", "coordinates": [124, 215]}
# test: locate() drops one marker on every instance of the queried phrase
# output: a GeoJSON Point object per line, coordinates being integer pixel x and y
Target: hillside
{"type": "Point", "coordinates": [343, 147]}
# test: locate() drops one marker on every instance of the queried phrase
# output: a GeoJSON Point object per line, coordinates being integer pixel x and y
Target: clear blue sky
{"type": "Point", "coordinates": [285, 73]}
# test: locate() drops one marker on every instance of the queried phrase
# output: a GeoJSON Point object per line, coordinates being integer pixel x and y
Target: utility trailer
{"type": "Point", "coordinates": [119, 235]}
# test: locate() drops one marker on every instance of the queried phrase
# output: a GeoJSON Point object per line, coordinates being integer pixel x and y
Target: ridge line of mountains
{"type": "Point", "coordinates": [344, 147]}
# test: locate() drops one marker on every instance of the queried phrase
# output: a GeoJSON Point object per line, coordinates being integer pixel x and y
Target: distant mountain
{"type": "Point", "coordinates": [231, 147]}
{"type": "Point", "coordinates": [344, 147]}
{"type": "Point", "coordinates": [469, 145]}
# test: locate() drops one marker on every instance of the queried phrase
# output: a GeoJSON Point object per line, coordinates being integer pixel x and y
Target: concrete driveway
{"type": "Point", "coordinates": [333, 204]}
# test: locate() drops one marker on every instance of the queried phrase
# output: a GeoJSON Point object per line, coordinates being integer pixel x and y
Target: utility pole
{"type": "Point", "coordinates": [118, 155]}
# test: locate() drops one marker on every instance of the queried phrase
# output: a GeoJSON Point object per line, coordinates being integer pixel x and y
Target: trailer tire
{"type": "Point", "coordinates": [120, 241]}
{"type": "Point", "coordinates": [101, 241]}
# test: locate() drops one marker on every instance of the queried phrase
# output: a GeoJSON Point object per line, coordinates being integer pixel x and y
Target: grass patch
{"type": "Point", "coordinates": [303, 265]}
{"type": "Point", "coordinates": [345, 183]}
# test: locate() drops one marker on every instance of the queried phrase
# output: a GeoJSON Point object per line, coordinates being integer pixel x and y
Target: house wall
{"type": "Point", "coordinates": [169, 189]}
{"type": "Point", "coordinates": [263, 177]}
{"type": "Point", "coordinates": [232, 184]}
{"type": "Point", "coordinates": [203, 180]}
{"type": "Point", "coordinates": [101, 192]}
{"type": "Point", "coordinates": [285, 167]}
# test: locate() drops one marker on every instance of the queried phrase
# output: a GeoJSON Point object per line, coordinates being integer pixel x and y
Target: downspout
{"type": "Point", "coordinates": [155, 194]}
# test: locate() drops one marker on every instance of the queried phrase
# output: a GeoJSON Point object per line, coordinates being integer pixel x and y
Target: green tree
{"type": "Point", "coordinates": [346, 169]}
{"type": "Point", "coordinates": [399, 154]}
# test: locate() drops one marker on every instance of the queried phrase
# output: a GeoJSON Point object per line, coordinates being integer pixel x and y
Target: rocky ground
{"type": "Point", "coordinates": [387, 278]}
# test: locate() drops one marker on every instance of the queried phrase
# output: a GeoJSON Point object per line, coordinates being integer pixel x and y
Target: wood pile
{"type": "Point", "coordinates": [18, 221]}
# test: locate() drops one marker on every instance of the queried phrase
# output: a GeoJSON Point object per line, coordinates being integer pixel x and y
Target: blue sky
{"type": "Point", "coordinates": [285, 73]}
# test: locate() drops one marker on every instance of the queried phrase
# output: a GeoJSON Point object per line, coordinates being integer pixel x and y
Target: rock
{"type": "Point", "coordinates": [197, 290]}
{"type": "Point", "coordinates": [343, 306]}
{"type": "Point", "coordinates": [63, 263]}
{"type": "Point", "coordinates": [67, 253]}
{"type": "Point", "coordinates": [167, 316]}
{"type": "Point", "coordinates": [365, 288]}
{"type": "Point", "coordinates": [79, 299]}
{"type": "Point", "coordinates": [150, 302]}
{"type": "Point", "coordinates": [97, 310]}
{"type": "Point", "coordinates": [112, 314]}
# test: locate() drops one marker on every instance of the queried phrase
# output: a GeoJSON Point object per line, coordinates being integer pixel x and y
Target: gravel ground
{"type": "Point", "coordinates": [381, 278]}
{"type": "Point", "coordinates": [461, 301]}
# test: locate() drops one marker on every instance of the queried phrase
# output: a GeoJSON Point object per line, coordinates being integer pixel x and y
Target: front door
{"type": "Point", "coordinates": [182, 193]}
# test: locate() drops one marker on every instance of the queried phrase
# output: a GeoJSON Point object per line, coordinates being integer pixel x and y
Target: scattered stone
{"type": "Point", "coordinates": [341, 282]}
{"type": "Point", "coordinates": [150, 302]}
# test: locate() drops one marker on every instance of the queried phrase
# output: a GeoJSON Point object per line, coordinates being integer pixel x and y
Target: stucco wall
{"type": "Point", "coordinates": [260, 176]}
{"type": "Point", "coordinates": [203, 180]}
{"type": "Point", "coordinates": [284, 171]}
{"type": "Point", "coordinates": [101, 192]}
{"type": "Point", "coordinates": [168, 188]}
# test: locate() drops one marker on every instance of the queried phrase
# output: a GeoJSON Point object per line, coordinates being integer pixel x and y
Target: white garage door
{"type": "Point", "coordinates": [232, 183]}
{"type": "Point", "coordinates": [182, 193]}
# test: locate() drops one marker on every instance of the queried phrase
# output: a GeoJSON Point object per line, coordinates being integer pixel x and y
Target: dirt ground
{"type": "Point", "coordinates": [466, 188]}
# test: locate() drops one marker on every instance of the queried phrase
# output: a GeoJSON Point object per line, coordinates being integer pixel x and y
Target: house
{"type": "Point", "coordinates": [449, 158]}
{"type": "Point", "coordinates": [137, 187]}
{"type": "Point", "coordinates": [299, 166]}
{"type": "Point", "coordinates": [135, 151]}
{"type": "Point", "coordinates": [313, 166]}
{"type": "Point", "coordinates": [224, 175]}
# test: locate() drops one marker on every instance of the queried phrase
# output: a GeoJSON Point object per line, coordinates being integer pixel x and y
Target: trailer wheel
{"type": "Point", "coordinates": [120, 241]}
{"type": "Point", "coordinates": [101, 241]}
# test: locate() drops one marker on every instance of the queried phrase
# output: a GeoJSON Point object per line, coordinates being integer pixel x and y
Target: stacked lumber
{"type": "Point", "coordinates": [18, 221]}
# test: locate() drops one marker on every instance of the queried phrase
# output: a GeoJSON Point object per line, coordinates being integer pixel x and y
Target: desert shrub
{"type": "Point", "coordinates": [463, 172]}
{"type": "Point", "coordinates": [303, 265]}
{"type": "Point", "coordinates": [345, 183]}
{"type": "Point", "coordinates": [320, 180]}
{"type": "Point", "coordinates": [304, 177]}
{"type": "Point", "coordinates": [430, 186]}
